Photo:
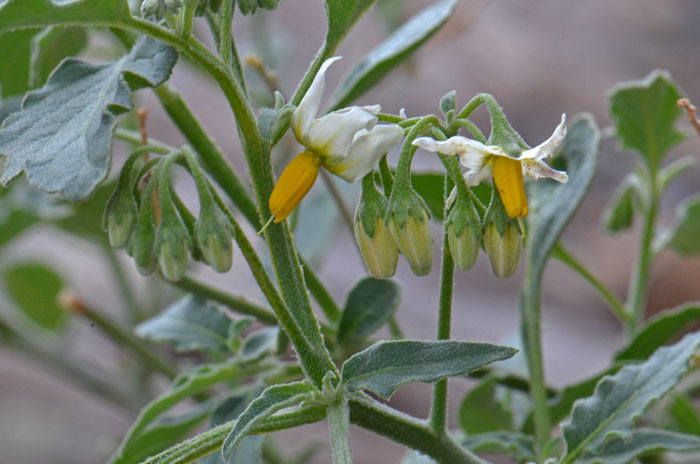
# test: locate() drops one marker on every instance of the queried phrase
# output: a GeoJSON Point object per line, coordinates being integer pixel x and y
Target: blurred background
{"type": "Point", "coordinates": [539, 58]}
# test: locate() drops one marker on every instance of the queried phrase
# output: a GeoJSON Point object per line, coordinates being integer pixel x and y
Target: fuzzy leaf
{"type": "Point", "coordinates": [260, 343]}
{"type": "Point", "coordinates": [641, 442]}
{"type": "Point", "coordinates": [19, 14]}
{"type": "Point", "coordinates": [271, 400]}
{"type": "Point", "coordinates": [645, 112]}
{"type": "Point", "coordinates": [619, 213]}
{"type": "Point", "coordinates": [516, 444]}
{"type": "Point", "coordinates": [553, 204]}
{"type": "Point", "coordinates": [35, 289]}
{"type": "Point", "coordinates": [189, 324]}
{"type": "Point", "coordinates": [684, 414]}
{"type": "Point", "coordinates": [14, 65]}
{"type": "Point", "coordinates": [50, 47]}
{"type": "Point", "coordinates": [342, 16]}
{"type": "Point", "coordinates": [481, 412]}
{"type": "Point", "coordinates": [620, 399]}
{"type": "Point", "coordinates": [370, 304]}
{"type": "Point", "coordinates": [686, 228]}
{"type": "Point", "coordinates": [659, 331]}
{"type": "Point", "coordinates": [61, 138]}
{"type": "Point", "coordinates": [392, 52]}
{"type": "Point", "coordinates": [386, 365]}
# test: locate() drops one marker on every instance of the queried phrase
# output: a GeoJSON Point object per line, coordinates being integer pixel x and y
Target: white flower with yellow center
{"type": "Point", "coordinates": [491, 161]}
{"type": "Point", "coordinates": [347, 142]}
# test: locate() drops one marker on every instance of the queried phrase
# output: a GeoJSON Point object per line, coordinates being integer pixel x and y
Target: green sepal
{"type": "Point", "coordinates": [144, 234]}
{"type": "Point", "coordinates": [502, 133]}
{"type": "Point", "coordinates": [448, 105]}
{"type": "Point", "coordinates": [214, 235]}
{"type": "Point", "coordinates": [372, 205]}
{"type": "Point", "coordinates": [496, 214]}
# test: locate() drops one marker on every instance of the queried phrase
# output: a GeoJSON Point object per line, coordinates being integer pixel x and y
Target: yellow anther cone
{"type": "Point", "coordinates": [293, 185]}
{"type": "Point", "coordinates": [508, 177]}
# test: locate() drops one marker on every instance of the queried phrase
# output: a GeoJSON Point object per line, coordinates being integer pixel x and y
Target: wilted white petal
{"type": "Point", "coordinates": [476, 176]}
{"type": "Point", "coordinates": [332, 134]}
{"type": "Point", "coordinates": [367, 148]}
{"type": "Point", "coordinates": [373, 109]}
{"type": "Point", "coordinates": [537, 169]}
{"type": "Point", "coordinates": [402, 113]}
{"type": "Point", "coordinates": [547, 148]}
{"type": "Point", "coordinates": [307, 109]}
{"type": "Point", "coordinates": [472, 154]}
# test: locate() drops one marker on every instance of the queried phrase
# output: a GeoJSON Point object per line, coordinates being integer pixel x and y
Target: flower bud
{"type": "Point", "coordinates": [463, 233]}
{"type": "Point", "coordinates": [120, 217]}
{"type": "Point", "coordinates": [409, 224]}
{"type": "Point", "coordinates": [503, 250]}
{"type": "Point", "coordinates": [213, 234]}
{"type": "Point", "coordinates": [141, 245]}
{"type": "Point", "coordinates": [173, 243]}
{"type": "Point", "coordinates": [378, 250]}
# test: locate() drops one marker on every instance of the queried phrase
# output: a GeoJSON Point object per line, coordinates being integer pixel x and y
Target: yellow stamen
{"type": "Point", "coordinates": [508, 178]}
{"type": "Point", "coordinates": [293, 185]}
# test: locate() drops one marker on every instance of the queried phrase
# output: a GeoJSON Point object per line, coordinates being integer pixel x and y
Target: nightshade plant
{"type": "Point", "coordinates": [275, 366]}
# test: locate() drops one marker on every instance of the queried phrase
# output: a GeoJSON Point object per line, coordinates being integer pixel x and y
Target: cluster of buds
{"type": "Point", "coordinates": [158, 231]}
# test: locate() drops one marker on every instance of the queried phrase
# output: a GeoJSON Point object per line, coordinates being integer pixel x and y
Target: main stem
{"type": "Point", "coordinates": [339, 425]}
{"type": "Point", "coordinates": [637, 292]}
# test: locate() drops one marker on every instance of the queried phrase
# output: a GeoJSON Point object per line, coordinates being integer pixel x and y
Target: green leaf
{"type": "Point", "coordinates": [684, 414]}
{"type": "Point", "coordinates": [369, 305]}
{"type": "Point", "coordinates": [316, 225]}
{"type": "Point", "coordinates": [685, 230]}
{"type": "Point", "coordinates": [248, 450]}
{"type": "Point", "coordinates": [659, 331]}
{"type": "Point", "coordinates": [672, 170]}
{"type": "Point", "coordinates": [553, 204]}
{"type": "Point", "coordinates": [430, 186]}
{"type": "Point", "coordinates": [50, 47]}
{"type": "Point", "coordinates": [620, 399]}
{"type": "Point", "coordinates": [271, 400]}
{"type": "Point", "coordinates": [189, 324]}
{"type": "Point", "coordinates": [642, 442]}
{"type": "Point", "coordinates": [342, 16]}
{"type": "Point", "coordinates": [35, 289]}
{"type": "Point", "coordinates": [165, 432]}
{"type": "Point", "coordinates": [251, 6]}
{"type": "Point", "coordinates": [516, 444]}
{"type": "Point", "coordinates": [20, 14]}
{"type": "Point", "coordinates": [391, 52]}
{"type": "Point", "coordinates": [14, 65]}
{"type": "Point", "coordinates": [645, 112]}
{"type": "Point", "coordinates": [619, 213]}
{"type": "Point", "coordinates": [274, 123]}
{"type": "Point", "coordinates": [260, 343]}
{"type": "Point", "coordinates": [386, 365]}
{"type": "Point", "coordinates": [480, 411]}
{"type": "Point", "coordinates": [62, 136]}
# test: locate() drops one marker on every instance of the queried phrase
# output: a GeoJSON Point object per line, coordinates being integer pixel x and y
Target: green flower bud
{"type": "Point", "coordinates": [141, 243]}
{"type": "Point", "coordinates": [463, 233]}
{"type": "Point", "coordinates": [213, 234]}
{"type": "Point", "coordinates": [120, 217]}
{"type": "Point", "coordinates": [503, 250]}
{"type": "Point", "coordinates": [172, 243]}
{"type": "Point", "coordinates": [408, 221]}
{"type": "Point", "coordinates": [376, 244]}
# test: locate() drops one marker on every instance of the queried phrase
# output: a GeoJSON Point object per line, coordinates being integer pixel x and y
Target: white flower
{"type": "Point", "coordinates": [348, 142]}
{"type": "Point", "coordinates": [491, 161]}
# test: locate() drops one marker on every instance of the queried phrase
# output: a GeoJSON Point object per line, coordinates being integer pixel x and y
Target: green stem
{"type": "Point", "coordinates": [409, 431]}
{"type": "Point", "coordinates": [321, 294]}
{"type": "Point", "coordinates": [636, 295]}
{"type": "Point", "coordinates": [323, 53]}
{"type": "Point", "coordinates": [339, 426]}
{"type": "Point", "coordinates": [225, 39]}
{"type": "Point", "coordinates": [532, 345]}
{"type": "Point", "coordinates": [338, 198]}
{"type": "Point", "coordinates": [438, 412]}
{"type": "Point", "coordinates": [395, 328]}
{"type": "Point", "coordinates": [134, 137]}
{"type": "Point", "coordinates": [387, 178]}
{"type": "Point", "coordinates": [125, 338]}
{"type": "Point", "coordinates": [237, 303]}
{"type": "Point", "coordinates": [563, 255]}
{"type": "Point", "coordinates": [188, 18]}
{"type": "Point", "coordinates": [403, 169]}
{"type": "Point", "coordinates": [213, 160]}
{"type": "Point", "coordinates": [127, 293]}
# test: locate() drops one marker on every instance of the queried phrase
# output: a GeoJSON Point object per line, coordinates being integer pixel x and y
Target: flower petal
{"type": "Point", "coordinates": [473, 155]}
{"type": "Point", "coordinates": [331, 136]}
{"type": "Point", "coordinates": [307, 109]}
{"type": "Point", "coordinates": [547, 148]}
{"type": "Point", "coordinates": [367, 148]}
{"type": "Point", "coordinates": [537, 169]}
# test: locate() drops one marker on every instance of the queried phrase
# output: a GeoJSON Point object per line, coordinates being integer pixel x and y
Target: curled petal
{"type": "Point", "coordinates": [307, 109]}
{"type": "Point", "coordinates": [331, 136]}
{"type": "Point", "coordinates": [547, 148]}
{"type": "Point", "coordinates": [472, 154]}
{"type": "Point", "coordinates": [367, 148]}
{"type": "Point", "coordinates": [475, 177]}
{"type": "Point", "coordinates": [373, 109]}
{"type": "Point", "coordinates": [536, 169]}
